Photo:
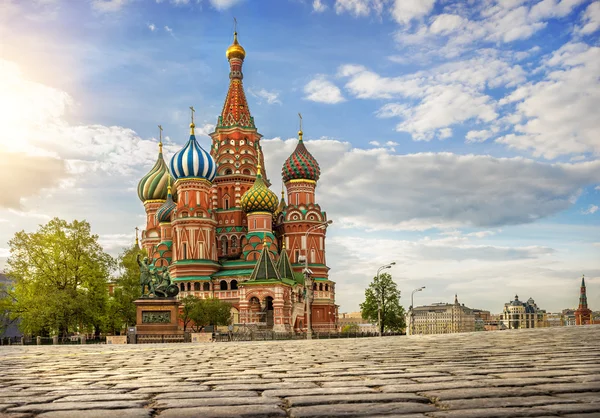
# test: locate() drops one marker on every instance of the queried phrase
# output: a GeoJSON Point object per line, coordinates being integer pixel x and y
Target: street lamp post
{"type": "Point", "coordinates": [380, 295]}
{"type": "Point", "coordinates": [308, 283]}
{"type": "Point", "coordinates": [412, 310]}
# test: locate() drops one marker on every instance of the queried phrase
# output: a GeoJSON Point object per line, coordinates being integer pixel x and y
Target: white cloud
{"type": "Point", "coordinates": [590, 19]}
{"type": "Point", "coordinates": [591, 210]}
{"type": "Point", "coordinates": [169, 30]}
{"type": "Point", "coordinates": [376, 143]}
{"type": "Point", "coordinates": [444, 133]}
{"type": "Point", "coordinates": [224, 4]}
{"type": "Point", "coordinates": [478, 136]}
{"type": "Point", "coordinates": [559, 111]}
{"type": "Point", "coordinates": [271, 97]}
{"type": "Point", "coordinates": [322, 90]}
{"type": "Point", "coordinates": [403, 11]}
{"type": "Point", "coordinates": [319, 6]}
{"type": "Point", "coordinates": [436, 99]}
{"type": "Point", "coordinates": [436, 190]}
{"type": "Point", "coordinates": [359, 7]}
{"type": "Point", "coordinates": [152, 27]}
{"type": "Point", "coordinates": [108, 5]}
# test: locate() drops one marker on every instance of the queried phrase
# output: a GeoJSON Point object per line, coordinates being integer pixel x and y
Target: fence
{"type": "Point", "coordinates": [71, 340]}
{"type": "Point", "coordinates": [262, 335]}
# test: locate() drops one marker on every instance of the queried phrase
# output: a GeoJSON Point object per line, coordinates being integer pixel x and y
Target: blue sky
{"type": "Point", "coordinates": [457, 138]}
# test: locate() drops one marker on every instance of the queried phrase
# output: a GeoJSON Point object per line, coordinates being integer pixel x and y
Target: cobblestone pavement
{"type": "Point", "coordinates": [543, 372]}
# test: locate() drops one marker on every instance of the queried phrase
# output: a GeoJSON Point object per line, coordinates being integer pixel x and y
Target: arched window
{"type": "Point", "coordinates": [185, 254]}
{"type": "Point", "coordinates": [314, 286]}
{"type": "Point", "coordinates": [226, 203]}
{"type": "Point", "coordinates": [224, 245]}
{"type": "Point", "coordinates": [228, 172]}
{"type": "Point", "coordinates": [223, 285]}
{"type": "Point", "coordinates": [182, 287]}
{"type": "Point", "coordinates": [321, 287]}
{"type": "Point", "coordinates": [233, 243]}
{"type": "Point", "coordinates": [189, 287]}
{"type": "Point", "coordinates": [196, 287]}
{"type": "Point", "coordinates": [234, 285]}
{"type": "Point", "coordinates": [206, 287]}
{"type": "Point", "coordinates": [246, 172]}
{"type": "Point", "coordinates": [326, 287]}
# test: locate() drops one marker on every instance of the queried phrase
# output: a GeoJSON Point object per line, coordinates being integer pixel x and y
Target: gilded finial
{"type": "Point", "coordinates": [235, 50]}
{"type": "Point", "coordinates": [265, 243]}
{"type": "Point", "coordinates": [258, 166]}
{"type": "Point", "coordinates": [169, 186]}
{"type": "Point", "coordinates": [192, 125]}
{"type": "Point", "coordinates": [282, 192]}
{"type": "Point", "coordinates": [300, 131]}
{"type": "Point", "coordinates": [160, 144]}
{"type": "Point", "coordinates": [137, 240]}
{"type": "Point", "coordinates": [283, 242]}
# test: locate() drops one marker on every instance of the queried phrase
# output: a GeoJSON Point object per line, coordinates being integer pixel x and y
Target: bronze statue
{"type": "Point", "coordinates": [145, 277]}
{"type": "Point", "coordinates": [165, 287]}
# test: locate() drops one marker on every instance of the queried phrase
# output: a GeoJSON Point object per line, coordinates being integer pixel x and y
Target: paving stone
{"type": "Point", "coordinates": [503, 402]}
{"type": "Point", "coordinates": [257, 411]}
{"type": "Point", "coordinates": [284, 393]}
{"type": "Point", "coordinates": [267, 386]}
{"type": "Point", "coordinates": [104, 397]}
{"type": "Point", "coordinates": [491, 413]}
{"type": "Point", "coordinates": [573, 408]}
{"type": "Point", "coordinates": [362, 398]}
{"type": "Point", "coordinates": [65, 406]}
{"type": "Point", "coordinates": [361, 409]}
{"type": "Point", "coordinates": [99, 413]}
{"type": "Point", "coordinates": [450, 394]}
{"type": "Point", "coordinates": [422, 387]}
{"type": "Point", "coordinates": [208, 394]}
{"type": "Point", "coordinates": [216, 401]}
{"type": "Point", "coordinates": [569, 387]}
{"type": "Point", "coordinates": [592, 397]}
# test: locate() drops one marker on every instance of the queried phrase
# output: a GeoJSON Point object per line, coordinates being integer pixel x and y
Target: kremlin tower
{"type": "Point", "coordinates": [583, 315]}
{"type": "Point", "coordinates": [213, 222]}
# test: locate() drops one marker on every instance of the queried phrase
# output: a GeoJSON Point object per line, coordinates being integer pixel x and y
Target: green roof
{"type": "Point", "coordinates": [196, 262]}
{"type": "Point", "coordinates": [264, 268]}
{"type": "Point", "coordinates": [238, 272]}
{"type": "Point", "coordinates": [227, 263]}
{"type": "Point", "coordinates": [192, 278]}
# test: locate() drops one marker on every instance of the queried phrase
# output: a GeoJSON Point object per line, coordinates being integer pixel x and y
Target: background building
{"type": "Point", "coordinates": [517, 315]}
{"type": "Point", "coordinates": [355, 318]}
{"type": "Point", "coordinates": [213, 222]}
{"type": "Point", "coordinates": [583, 314]}
{"type": "Point", "coordinates": [440, 318]}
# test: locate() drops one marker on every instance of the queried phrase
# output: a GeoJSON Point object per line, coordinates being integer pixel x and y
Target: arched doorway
{"type": "Point", "coordinates": [269, 312]}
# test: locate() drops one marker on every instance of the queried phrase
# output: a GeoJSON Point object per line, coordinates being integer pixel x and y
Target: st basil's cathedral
{"type": "Point", "coordinates": [213, 222]}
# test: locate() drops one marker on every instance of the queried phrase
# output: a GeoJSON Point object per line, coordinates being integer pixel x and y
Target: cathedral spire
{"type": "Point", "coordinates": [583, 295]}
{"type": "Point", "coordinates": [235, 111]}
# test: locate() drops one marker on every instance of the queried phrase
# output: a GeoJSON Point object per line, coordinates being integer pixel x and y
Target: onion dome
{"type": "Point", "coordinates": [301, 165]}
{"type": "Point", "coordinates": [153, 186]}
{"type": "Point", "coordinates": [163, 214]}
{"type": "Point", "coordinates": [259, 198]}
{"type": "Point", "coordinates": [235, 50]}
{"type": "Point", "coordinates": [192, 161]}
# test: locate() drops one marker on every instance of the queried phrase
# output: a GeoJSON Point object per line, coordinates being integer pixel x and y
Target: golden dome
{"type": "Point", "coordinates": [235, 50]}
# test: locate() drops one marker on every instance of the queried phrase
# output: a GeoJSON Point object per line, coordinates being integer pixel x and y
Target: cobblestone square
{"type": "Point", "coordinates": [526, 373]}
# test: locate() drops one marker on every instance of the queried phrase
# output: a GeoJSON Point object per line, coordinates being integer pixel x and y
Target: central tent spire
{"type": "Point", "coordinates": [235, 110]}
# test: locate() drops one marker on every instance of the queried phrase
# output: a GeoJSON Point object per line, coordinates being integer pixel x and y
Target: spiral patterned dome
{"type": "Point", "coordinates": [163, 214]}
{"type": "Point", "coordinates": [259, 198]}
{"type": "Point", "coordinates": [193, 162]}
{"type": "Point", "coordinates": [153, 186]}
{"type": "Point", "coordinates": [301, 164]}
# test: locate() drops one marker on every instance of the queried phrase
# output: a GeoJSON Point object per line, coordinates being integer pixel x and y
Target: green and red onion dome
{"type": "Point", "coordinates": [301, 165]}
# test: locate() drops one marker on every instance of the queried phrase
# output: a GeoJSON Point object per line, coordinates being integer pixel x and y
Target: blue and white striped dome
{"type": "Point", "coordinates": [193, 161]}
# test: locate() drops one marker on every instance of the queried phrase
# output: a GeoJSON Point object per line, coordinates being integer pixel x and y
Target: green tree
{"type": "Point", "coordinates": [198, 313]}
{"type": "Point", "coordinates": [121, 311]}
{"type": "Point", "coordinates": [60, 275]}
{"type": "Point", "coordinates": [351, 328]}
{"type": "Point", "coordinates": [383, 294]}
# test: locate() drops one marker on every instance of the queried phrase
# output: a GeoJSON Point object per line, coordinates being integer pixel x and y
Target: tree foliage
{"type": "Point", "coordinates": [383, 293]}
{"type": "Point", "coordinates": [350, 328]}
{"type": "Point", "coordinates": [121, 311]}
{"type": "Point", "coordinates": [198, 313]}
{"type": "Point", "coordinates": [60, 275]}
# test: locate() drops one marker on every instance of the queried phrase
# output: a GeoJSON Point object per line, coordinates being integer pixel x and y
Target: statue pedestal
{"type": "Point", "coordinates": [157, 316]}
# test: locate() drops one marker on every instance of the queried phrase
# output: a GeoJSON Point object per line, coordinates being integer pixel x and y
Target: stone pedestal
{"type": "Point", "coordinates": [157, 316]}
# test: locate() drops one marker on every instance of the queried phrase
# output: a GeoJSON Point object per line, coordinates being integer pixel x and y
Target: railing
{"type": "Point", "coordinates": [70, 340]}
{"type": "Point", "coordinates": [263, 335]}
{"type": "Point", "coordinates": [159, 339]}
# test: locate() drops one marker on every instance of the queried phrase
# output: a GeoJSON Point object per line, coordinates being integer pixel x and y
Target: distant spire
{"type": "Point", "coordinates": [258, 166]}
{"type": "Point", "coordinates": [455, 299]}
{"type": "Point", "coordinates": [192, 125]}
{"type": "Point", "coordinates": [137, 240]}
{"type": "Point", "coordinates": [583, 280]}
{"type": "Point", "coordinates": [300, 133]}
{"type": "Point", "coordinates": [169, 186]}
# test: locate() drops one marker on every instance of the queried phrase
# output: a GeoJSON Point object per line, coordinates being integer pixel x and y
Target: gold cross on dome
{"type": "Point", "coordinates": [160, 133]}
{"type": "Point", "coordinates": [300, 116]}
{"type": "Point", "coordinates": [193, 110]}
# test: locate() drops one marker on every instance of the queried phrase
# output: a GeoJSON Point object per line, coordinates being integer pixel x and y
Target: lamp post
{"type": "Point", "coordinates": [380, 295]}
{"type": "Point", "coordinates": [412, 310]}
{"type": "Point", "coordinates": [308, 283]}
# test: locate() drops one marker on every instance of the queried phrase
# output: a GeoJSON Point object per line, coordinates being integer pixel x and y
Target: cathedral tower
{"type": "Point", "coordinates": [583, 314]}
{"type": "Point", "coordinates": [237, 153]}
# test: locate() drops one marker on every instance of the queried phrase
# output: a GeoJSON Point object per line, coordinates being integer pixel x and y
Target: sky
{"type": "Point", "coordinates": [459, 139]}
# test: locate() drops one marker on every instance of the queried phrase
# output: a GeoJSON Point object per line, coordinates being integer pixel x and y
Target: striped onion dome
{"type": "Point", "coordinates": [163, 214]}
{"type": "Point", "coordinates": [259, 198]}
{"type": "Point", "coordinates": [301, 164]}
{"type": "Point", "coordinates": [153, 186]}
{"type": "Point", "coordinates": [192, 161]}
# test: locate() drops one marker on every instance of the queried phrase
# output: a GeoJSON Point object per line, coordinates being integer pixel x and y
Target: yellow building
{"type": "Point", "coordinates": [440, 318]}
{"type": "Point", "coordinates": [517, 315]}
